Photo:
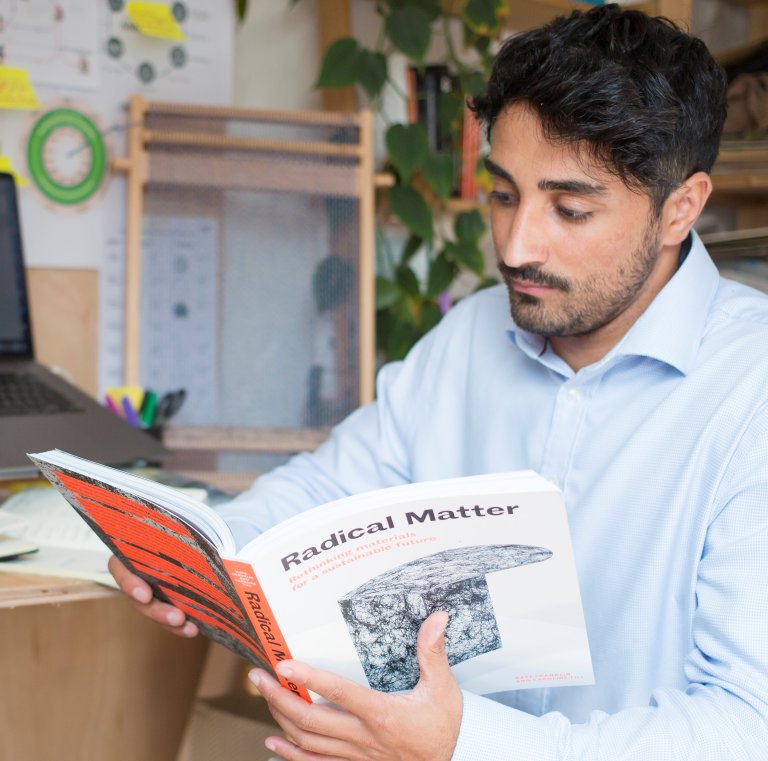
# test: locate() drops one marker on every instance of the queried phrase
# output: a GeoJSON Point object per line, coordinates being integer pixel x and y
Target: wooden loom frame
{"type": "Point", "coordinates": [141, 171]}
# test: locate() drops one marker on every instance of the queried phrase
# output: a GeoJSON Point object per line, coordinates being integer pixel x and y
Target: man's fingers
{"type": "Point", "coordinates": [315, 728]}
{"type": "Point", "coordinates": [130, 584]}
{"type": "Point", "coordinates": [335, 689]}
{"type": "Point", "coordinates": [291, 752]}
{"type": "Point", "coordinates": [140, 594]}
{"type": "Point", "coordinates": [310, 743]}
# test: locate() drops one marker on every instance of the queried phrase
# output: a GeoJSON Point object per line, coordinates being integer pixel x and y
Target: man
{"type": "Point", "coordinates": [629, 373]}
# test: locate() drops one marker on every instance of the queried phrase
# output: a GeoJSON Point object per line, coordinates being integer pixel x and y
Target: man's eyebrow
{"type": "Point", "coordinates": [577, 187]}
{"type": "Point", "coordinates": [493, 168]}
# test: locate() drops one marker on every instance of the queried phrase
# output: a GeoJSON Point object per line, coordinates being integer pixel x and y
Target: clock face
{"type": "Point", "coordinates": [66, 156]}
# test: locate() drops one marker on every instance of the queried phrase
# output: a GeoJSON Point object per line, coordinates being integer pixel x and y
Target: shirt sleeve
{"type": "Point", "coordinates": [723, 712]}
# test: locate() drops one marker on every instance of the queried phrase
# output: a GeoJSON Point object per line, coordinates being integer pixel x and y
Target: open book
{"type": "Point", "coordinates": [345, 586]}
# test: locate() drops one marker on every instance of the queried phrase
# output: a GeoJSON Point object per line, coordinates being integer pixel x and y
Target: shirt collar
{"type": "Point", "coordinates": [671, 328]}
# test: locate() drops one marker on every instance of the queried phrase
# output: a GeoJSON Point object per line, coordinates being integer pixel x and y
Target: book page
{"type": "Point", "coordinates": [350, 588]}
{"type": "Point", "coordinates": [66, 546]}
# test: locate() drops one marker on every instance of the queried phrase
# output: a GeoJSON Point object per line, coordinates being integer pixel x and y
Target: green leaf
{"type": "Point", "coordinates": [409, 206]}
{"type": "Point", "coordinates": [402, 336]}
{"type": "Point", "coordinates": [387, 292]}
{"type": "Point", "coordinates": [440, 276]}
{"type": "Point", "coordinates": [469, 227]}
{"type": "Point", "coordinates": [480, 42]}
{"type": "Point", "coordinates": [412, 245]}
{"type": "Point", "coordinates": [473, 82]}
{"type": "Point", "coordinates": [432, 8]}
{"type": "Point", "coordinates": [430, 316]}
{"type": "Point", "coordinates": [372, 72]}
{"type": "Point", "coordinates": [408, 146]}
{"type": "Point", "coordinates": [440, 174]}
{"type": "Point", "coordinates": [241, 8]}
{"type": "Point", "coordinates": [407, 280]}
{"type": "Point", "coordinates": [340, 64]}
{"type": "Point", "coordinates": [409, 29]}
{"type": "Point", "coordinates": [467, 255]}
{"type": "Point", "coordinates": [483, 16]}
{"type": "Point", "coordinates": [450, 113]}
{"type": "Point", "coordinates": [487, 282]}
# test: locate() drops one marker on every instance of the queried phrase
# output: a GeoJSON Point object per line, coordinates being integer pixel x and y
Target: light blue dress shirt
{"type": "Point", "coordinates": [661, 449]}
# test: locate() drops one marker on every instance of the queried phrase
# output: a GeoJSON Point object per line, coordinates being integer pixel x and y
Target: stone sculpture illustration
{"type": "Point", "coordinates": [383, 615]}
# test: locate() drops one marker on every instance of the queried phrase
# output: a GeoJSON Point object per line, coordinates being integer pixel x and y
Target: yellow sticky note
{"type": "Point", "coordinates": [154, 20]}
{"type": "Point", "coordinates": [16, 90]}
{"type": "Point", "coordinates": [6, 166]}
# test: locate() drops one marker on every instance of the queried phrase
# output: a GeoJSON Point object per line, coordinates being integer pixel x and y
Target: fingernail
{"type": "Point", "coordinates": [439, 632]}
{"type": "Point", "coordinates": [255, 678]}
{"type": "Point", "coordinates": [284, 669]}
{"type": "Point", "coordinates": [189, 630]}
{"type": "Point", "coordinates": [175, 618]}
{"type": "Point", "coordinates": [270, 745]}
{"type": "Point", "coordinates": [140, 594]}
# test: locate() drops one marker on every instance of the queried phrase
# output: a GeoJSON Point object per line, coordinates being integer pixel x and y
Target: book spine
{"type": "Point", "coordinates": [470, 154]}
{"type": "Point", "coordinates": [412, 92]}
{"type": "Point", "coordinates": [262, 618]}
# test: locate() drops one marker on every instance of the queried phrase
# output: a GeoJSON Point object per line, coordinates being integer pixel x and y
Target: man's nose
{"type": "Point", "coordinates": [524, 242]}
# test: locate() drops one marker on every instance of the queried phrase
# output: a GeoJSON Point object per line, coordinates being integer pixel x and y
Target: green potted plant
{"type": "Point", "coordinates": [416, 283]}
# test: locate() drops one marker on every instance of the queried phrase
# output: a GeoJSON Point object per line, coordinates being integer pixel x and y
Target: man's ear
{"type": "Point", "coordinates": [683, 207]}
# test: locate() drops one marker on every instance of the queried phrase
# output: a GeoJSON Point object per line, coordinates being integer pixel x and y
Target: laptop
{"type": "Point", "coordinates": [39, 410]}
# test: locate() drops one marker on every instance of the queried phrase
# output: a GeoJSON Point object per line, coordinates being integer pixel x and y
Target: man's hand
{"type": "Point", "coordinates": [140, 594]}
{"type": "Point", "coordinates": [421, 725]}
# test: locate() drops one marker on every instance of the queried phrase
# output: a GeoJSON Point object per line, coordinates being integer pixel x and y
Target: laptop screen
{"type": "Point", "coordinates": [15, 330]}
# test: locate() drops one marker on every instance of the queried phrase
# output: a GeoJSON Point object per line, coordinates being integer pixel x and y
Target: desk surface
{"type": "Point", "coordinates": [26, 589]}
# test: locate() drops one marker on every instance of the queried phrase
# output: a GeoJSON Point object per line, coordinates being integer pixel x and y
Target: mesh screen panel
{"type": "Point", "coordinates": [250, 269]}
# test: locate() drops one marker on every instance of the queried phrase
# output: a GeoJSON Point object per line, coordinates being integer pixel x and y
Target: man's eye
{"type": "Point", "coordinates": [505, 199]}
{"type": "Point", "coordinates": [572, 215]}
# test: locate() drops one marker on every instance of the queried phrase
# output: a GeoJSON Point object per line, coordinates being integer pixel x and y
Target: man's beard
{"type": "Point", "coordinates": [590, 304]}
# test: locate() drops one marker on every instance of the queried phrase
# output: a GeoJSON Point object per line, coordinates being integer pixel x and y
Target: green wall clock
{"type": "Point", "coordinates": [67, 157]}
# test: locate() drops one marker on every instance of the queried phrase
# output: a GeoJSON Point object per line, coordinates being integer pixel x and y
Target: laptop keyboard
{"type": "Point", "coordinates": [24, 394]}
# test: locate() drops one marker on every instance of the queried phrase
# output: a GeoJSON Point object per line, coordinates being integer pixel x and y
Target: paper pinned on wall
{"type": "Point", "coordinates": [16, 90]}
{"type": "Point", "coordinates": [155, 20]}
{"type": "Point", "coordinates": [179, 331]}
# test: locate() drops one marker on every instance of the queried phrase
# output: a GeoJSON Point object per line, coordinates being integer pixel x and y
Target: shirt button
{"type": "Point", "coordinates": [574, 394]}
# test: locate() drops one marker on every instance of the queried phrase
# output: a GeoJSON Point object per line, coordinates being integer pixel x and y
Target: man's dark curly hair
{"type": "Point", "coordinates": [647, 99]}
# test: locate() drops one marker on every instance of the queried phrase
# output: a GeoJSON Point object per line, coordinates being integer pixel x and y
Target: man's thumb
{"type": "Point", "coordinates": [430, 648]}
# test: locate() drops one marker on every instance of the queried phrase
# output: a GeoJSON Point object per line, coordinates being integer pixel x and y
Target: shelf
{"type": "Point", "coordinates": [746, 2]}
{"type": "Point", "coordinates": [219, 438]}
{"type": "Point", "coordinates": [735, 56]}
{"type": "Point", "coordinates": [532, 13]}
{"type": "Point", "coordinates": [741, 167]}
{"type": "Point", "coordinates": [737, 243]}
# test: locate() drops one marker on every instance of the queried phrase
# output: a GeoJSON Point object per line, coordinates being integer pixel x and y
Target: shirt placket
{"type": "Point", "coordinates": [570, 407]}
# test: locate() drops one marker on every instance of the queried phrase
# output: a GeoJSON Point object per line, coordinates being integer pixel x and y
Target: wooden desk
{"type": "Point", "coordinates": [85, 677]}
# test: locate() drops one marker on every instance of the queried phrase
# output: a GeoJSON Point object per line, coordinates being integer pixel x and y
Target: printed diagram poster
{"type": "Point", "coordinates": [56, 42]}
{"type": "Point", "coordinates": [85, 58]}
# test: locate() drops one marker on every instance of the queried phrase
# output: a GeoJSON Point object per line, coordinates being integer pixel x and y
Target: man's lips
{"type": "Point", "coordinates": [530, 288]}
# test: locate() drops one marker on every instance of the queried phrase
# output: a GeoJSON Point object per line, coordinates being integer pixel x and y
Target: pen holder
{"type": "Point", "coordinates": [156, 431]}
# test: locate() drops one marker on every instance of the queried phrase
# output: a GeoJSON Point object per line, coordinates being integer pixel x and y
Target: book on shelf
{"type": "Point", "coordinates": [430, 89]}
{"type": "Point", "coordinates": [470, 155]}
{"type": "Point", "coordinates": [432, 92]}
{"type": "Point", "coordinates": [731, 246]}
{"type": "Point", "coordinates": [346, 585]}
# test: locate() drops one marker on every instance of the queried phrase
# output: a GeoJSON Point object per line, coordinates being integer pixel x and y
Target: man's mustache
{"type": "Point", "coordinates": [533, 275]}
